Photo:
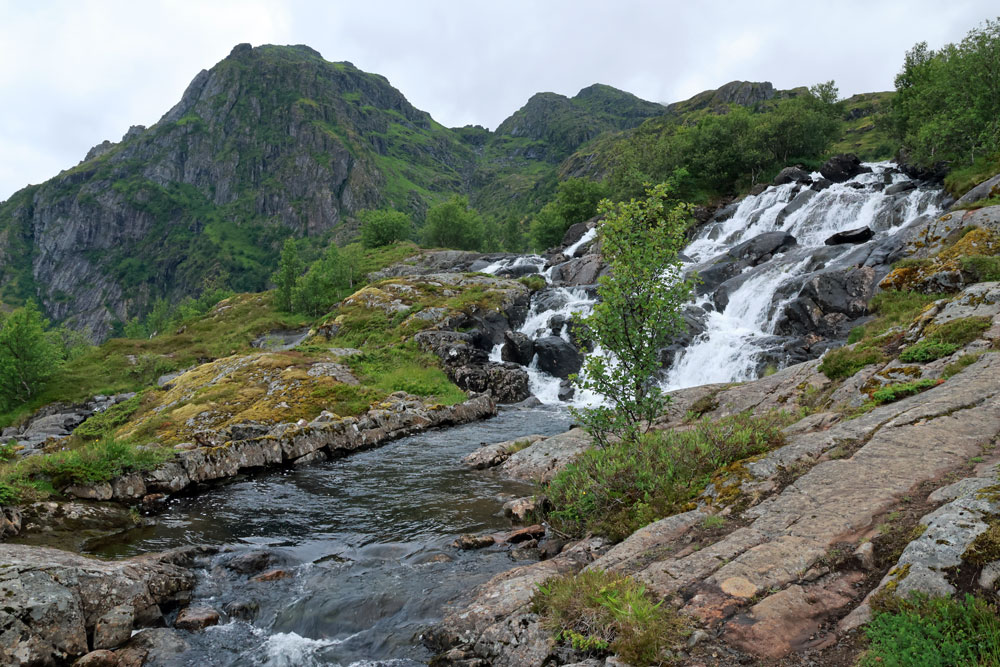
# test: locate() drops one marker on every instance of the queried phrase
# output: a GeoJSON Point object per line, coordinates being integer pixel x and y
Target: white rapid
{"type": "Point", "coordinates": [736, 335]}
{"type": "Point", "coordinates": [729, 350]}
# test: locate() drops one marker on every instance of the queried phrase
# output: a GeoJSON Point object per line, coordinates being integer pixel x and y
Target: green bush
{"type": "Point", "coordinates": [618, 489]}
{"type": "Point", "coordinates": [946, 107]}
{"type": "Point", "coordinates": [102, 424]}
{"type": "Point", "coordinates": [982, 268]}
{"type": "Point", "coordinates": [894, 392]}
{"type": "Point", "coordinates": [604, 612]}
{"type": "Point", "coordinates": [926, 350]}
{"type": "Point", "coordinates": [453, 224]}
{"type": "Point", "coordinates": [934, 632]}
{"type": "Point", "coordinates": [380, 228]}
{"type": "Point", "coordinates": [845, 361]}
{"type": "Point", "coordinates": [940, 340]}
{"type": "Point", "coordinates": [29, 355]}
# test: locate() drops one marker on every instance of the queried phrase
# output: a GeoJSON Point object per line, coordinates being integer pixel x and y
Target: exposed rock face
{"type": "Point", "coordinates": [841, 168]}
{"type": "Point", "coordinates": [56, 421]}
{"type": "Point", "coordinates": [730, 264]}
{"type": "Point", "coordinates": [54, 600]}
{"type": "Point", "coordinates": [829, 302]}
{"type": "Point", "coordinates": [557, 357]}
{"type": "Point", "coordinates": [985, 190]}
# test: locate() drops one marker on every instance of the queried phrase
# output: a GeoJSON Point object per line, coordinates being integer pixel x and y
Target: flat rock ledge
{"type": "Point", "coordinates": [58, 606]}
{"type": "Point", "coordinates": [295, 444]}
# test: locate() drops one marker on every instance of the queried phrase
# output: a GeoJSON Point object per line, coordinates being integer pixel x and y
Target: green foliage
{"type": "Point", "coordinates": [289, 269]}
{"type": "Point", "coordinates": [943, 339]}
{"type": "Point", "coordinates": [379, 228]}
{"type": "Point", "coordinates": [88, 463]}
{"type": "Point", "coordinates": [616, 490]}
{"type": "Point", "coordinates": [845, 362]}
{"type": "Point", "coordinates": [934, 632]}
{"type": "Point", "coordinates": [894, 392]}
{"type": "Point", "coordinates": [959, 365]}
{"type": "Point", "coordinates": [600, 612]}
{"type": "Point", "coordinates": [964, 177]}
{"type": "Point", "coordinates": [576, 201]}
{"type": "Point", "coordinates": [927, 350]}
{"type": "Point", "coordinates": [29, 355]}
{"type": "Point", "coordinates": [981, 268]}
{"type": "Point", "coordinates": [638, 313]}
{"type": "Point", "coordinates": [723, 153]}
{"type": "Point", "coordinates": [166, 314]}
{"type": "Point", "coordinates": [453, 224]}
{"type": "Point", "coordinates": [533, 282]}
{"type": "Point", "coordinates": [946, 106]}
{"type": "Point", "coordinates": [103, 424]}
{"type": "Point", "coordinates": [328, 280]}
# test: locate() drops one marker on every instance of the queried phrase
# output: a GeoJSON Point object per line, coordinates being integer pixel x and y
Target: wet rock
{"type": "Point", "coordinates": [820, 184]}
{"type": "Point", "coordinates": [797, 203]}
{"type": "Point", "coordinates": [575, 232]}
{"type": "Point", "coordinates": [524, 534]}
{"type": "Point", "coordinates": [271, 575]}
{"type": "Point", "coordinates": [99, 658]}
{"type": "Point", "coordinates": [470, 542]}
{"type": "Point", "coordinates": [154, 646]}
{"type": "Point", "coordinates": [196, 618]}
{"type": "Point", "coordinates": [245, 610]}
{"type": "Point", "coordinates": [792, 175]}
{"type": "Point", "coordinates": [985, 190]}
{"type": "Point", "coordinates": [249, 562]}
{"type": "Point", "coordinates": [128, 487]}
{"type": "Point", "coordinates": [490, 456]}
{"type": "Point", "coordinates": [566, 390]}
{"type": "Point", "coordinates": [859, 235]}
{"type": "Point", "coordinates": [114, 628]}
{"type": "Point", "coordinates": [900, 188]}
{"type": "Point", "coordinates": [828, 302]}
{"type": "Point", "coordinates": [10, 522]}
{"type": "Point", "coordinates": [841, 168]}
{"type": "Point", "coordinates": [557, 357]}
{"type": "Point", "coordinates": [545, 458]}
{"type": "Point", "coordinates": [506, 382]}
{"type": "Point", "coordinates": [519, 509]}
{"type": "Point", "coordinates": [518, 348]}
{"type": "Point", "coordinates": [54, 599]}
{"type": "Point", "coordinates": [579, 271]}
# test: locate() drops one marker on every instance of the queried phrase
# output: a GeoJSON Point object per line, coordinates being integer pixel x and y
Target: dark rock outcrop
{"type": "Point", "coordinates": [792, 175]}
{"type": "Point", "coordinates": [842, 168]}
{"type": "Point", "coordinates": [853, 236]}
{"type": "Point", "coordinates": [829, 302]}
{"type": "Point", "coordinates": [557, 357]}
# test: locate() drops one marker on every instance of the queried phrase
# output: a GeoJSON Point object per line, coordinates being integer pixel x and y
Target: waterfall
{"type": "Point", "coordinates": [741, 330]}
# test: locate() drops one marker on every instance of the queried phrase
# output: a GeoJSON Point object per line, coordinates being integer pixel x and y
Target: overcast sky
{"type": "Point", "coordinates": [76, 72]}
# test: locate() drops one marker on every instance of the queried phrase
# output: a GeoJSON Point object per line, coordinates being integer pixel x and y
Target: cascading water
{"type": "Point", "coordinates": [739, 331]}
{"type": "Point", "coordinates": [731, 345]}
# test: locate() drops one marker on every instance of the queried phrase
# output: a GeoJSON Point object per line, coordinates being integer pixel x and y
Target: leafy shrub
{"type": "Point", "coordinates": [615, 490]}
{"type": "Point", "coordinates": [982, 268]}
{"type": "Point", "coordinates": [927, 350]}
{"type": "Point", "coordinates": [845, 361]}
{"type": "Point", "coordinates": [940, 340]}
{"type": "Point", "coordinates": [101, 424]}
{"type": "Point", "coordinates": [934, 632]}
{"type": "Point", "coordinates": [533, 282]}
{"type": "Point", "coordinates": [29, 354]}
{"type": "Point", "coordinates": [380, 228]}
{"type": "Point", "coordinates": [453, 224]}
{"type": "Point", "coordinates": [894, 392]}
{"type": "Point", "coordinates": [597, 611]}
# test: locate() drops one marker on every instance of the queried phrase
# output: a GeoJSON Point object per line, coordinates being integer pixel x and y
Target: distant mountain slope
{"type": "Point", "coordinates": [275, 141]}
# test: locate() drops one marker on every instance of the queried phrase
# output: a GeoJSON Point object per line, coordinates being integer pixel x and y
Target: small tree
{"type": "Point", "coordinates": [289, 269]}
{"type": "Point", "coordinates": [380, 228]}
{"type": "Point", "coordinates": [452, 224]}
{"type": "Point", "coordinates": [638, 313]}
{"type": "Point", "coordinates": [321, 286]}
{"type": "Point", "coordinates": [29, 355]}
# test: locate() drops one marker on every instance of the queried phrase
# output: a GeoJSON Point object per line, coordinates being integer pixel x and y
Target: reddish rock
{"type": "Point", "coordinates": [196, 618]}
{"type": "Point", "coordinates": [474, 542]}
{"type": "Point", "coordinates": [102, 658]}
{"type": "Point", "coordinates": [524, 534]}
{"type": "Point", "coordinates": [791, 619]}
{"type": "Point", "coordinates": [271, 575]}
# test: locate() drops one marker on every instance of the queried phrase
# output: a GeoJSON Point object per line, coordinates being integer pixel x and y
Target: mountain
{"type": "Point", "coordinates": [276, 141]}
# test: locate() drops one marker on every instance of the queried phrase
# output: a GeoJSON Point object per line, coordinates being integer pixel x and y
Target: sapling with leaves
{"type": "Point", "coordinates": [638, 313]}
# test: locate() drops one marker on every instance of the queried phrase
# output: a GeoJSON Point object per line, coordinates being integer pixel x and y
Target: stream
{"type": "Point", "coordinates": [367, 539]}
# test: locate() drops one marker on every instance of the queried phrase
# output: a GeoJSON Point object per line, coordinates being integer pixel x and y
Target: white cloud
{"type": "Point", "coordinates": [75, 73]}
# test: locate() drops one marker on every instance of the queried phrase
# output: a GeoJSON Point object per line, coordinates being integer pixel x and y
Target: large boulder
{"type": "Point", "coordinates": [507, 382]}
{"type": "Point", "coordinates": [984, 190]}
{"type": "Point", "coordinates": [557, 357]}
{"type": "Point", "coordinates": [55, 603]}
{"type": "Point", "coordinates": [518, 348]}
{"type": "Point", "coordinates": [579, 271]}
{"type": "Point", "coordinates": [859, 235]}
{"type": "Point", "coordinates": [792, 175]}
{"type": "Point", "coordinates": [829, 302]}
{"type": "Point", "coordinates": [841, 168]}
